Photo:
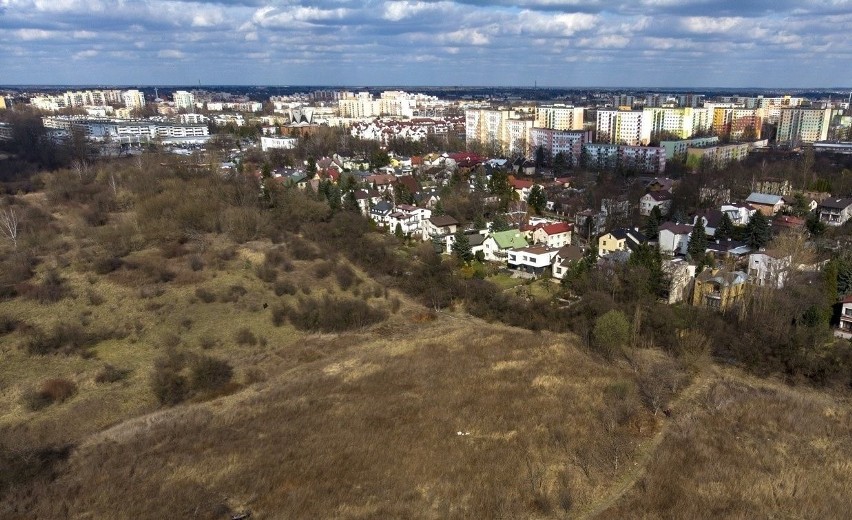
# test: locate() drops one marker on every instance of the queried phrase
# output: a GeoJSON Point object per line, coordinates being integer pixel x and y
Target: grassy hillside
{"type": "Point", "coordinates": [198, 356]}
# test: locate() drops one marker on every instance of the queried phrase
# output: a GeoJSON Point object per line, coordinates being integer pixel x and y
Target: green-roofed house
{"type": "Point", "coordinates": [497, 245]}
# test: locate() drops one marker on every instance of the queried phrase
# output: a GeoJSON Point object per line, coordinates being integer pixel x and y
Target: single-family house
{"type": "Point", "coordinates": [553, 235]}
{"type": "Point", "coordinates": [844, 329]}
{"type": "Point", "coordinates": [738, 213]}
{"type": "Point", "coordinates": [834, 211]}
{"type": "Point", "coordinates": [380, 182]}
{"type": "Point", "coordinates": [408, 217]}
{"type": "Point", "coordinates": [766, 203]}
{"type": "Point", "coordinates": [674, 238]}
{"type": "Point", "coordinates": [565, 258]}
{"type": "Point", "coordinates": [660, 184]}
{"type": "Point", "coordinates": [678, 275]}
{"type": "Point", "coordinates": [438, 226]}
{"type": "Point", "coordinates": [532, 259]}
{"type": "Point", "coordinates": [718, 289]}
{"type": "Point", "coordinates": [727, 248]}
{"type": "Point", "coordinates": [475, 238]}
{"type": "Point", "coordinates": [710, 219]}
{"type": "Point", "coordinates": [769, 268]}
{"type": "Point", "coordinates": [497, 246]}
{"type": "Point", "coordinates": [660, 199]}
{"type": "Point", "coordinates": [621, 239]}
{"type": "Point", "coordinates": [366, 199]}
{"type": "Point", "coordinates": [522, 187]}
{"type": "Point", "coordinates": [787, 223]}
{"type": "Point", "coordinates": [380, 212]}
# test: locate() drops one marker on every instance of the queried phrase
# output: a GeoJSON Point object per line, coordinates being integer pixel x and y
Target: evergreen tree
{"type": "Point", "coordinates": [758, 232]}
{"type": "Point", "coordinates": [560, 163]}
{"type": "Point", "coordinates": [725, 228]}
{"type": "Point", "coordinates": [697, 242]}
{"type": "Point", "coordinates": [649, 258]}
{"type": "Point", "coordinates": [461, 247]}
{"type": "Point", "coordinates": [814, 225]}
{"type": "Point", "coordinates": [398, 231]}
{"type": "Point", "coordinates": [499, 223]}
{"type": "Point", "coordinates": [652, 225]}
{"type": "Point", "coordinates": [537, 199]}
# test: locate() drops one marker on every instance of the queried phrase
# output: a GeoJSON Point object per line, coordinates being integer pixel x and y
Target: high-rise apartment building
{"type": "Point", "coordinates": [803, 125]}
{"type": "Point", "coordinates": [498, 129]}
{"type": "Point", "coordinates": [681, 122]}
{"type": "Point", "coordinates": [184, 100]}
{"type": "Point", "coordinates": [559, 117]}
{"type": "Point", "coordinates": [619, 127]}
{"type": "Point", "coordinates": [133, 99]}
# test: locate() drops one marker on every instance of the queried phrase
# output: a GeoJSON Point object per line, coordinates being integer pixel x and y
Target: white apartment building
{"type": "Point", "coordinates": [133, 99]}
{"type": "Point", "coordinates": [803, 125]}
{"type": "Point", "coordinates": [498, 128]}
{"type": "Point", "coordinates": [282, 143]}
{"type": "Point", "coordinates": [619, 127]}
{"type": "Point", "coordinates": [184, 100]}
{"type": "Point", "coordinates": [559, 117]}
{"type": "Point", "coordinates": [567, 142]}
{"type": "Point", "coordinates": [193, 119]}
{"type": "Point", "coordinates": [682, 122]}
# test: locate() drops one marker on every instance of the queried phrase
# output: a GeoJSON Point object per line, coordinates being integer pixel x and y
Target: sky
{"type": "Point", "coordinates": [565, 43]}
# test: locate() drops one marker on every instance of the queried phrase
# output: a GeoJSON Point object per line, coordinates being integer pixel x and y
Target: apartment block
{"type": "Point", "coordinates": [567, 142]}
{"type": "Point", "coordinates": [803, 125]}
{"type": "Point", "coordinates": [559, 117]}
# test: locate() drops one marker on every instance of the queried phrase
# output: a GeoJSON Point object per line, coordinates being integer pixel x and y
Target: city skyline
{"type": "Point", "coordinates": [669, 43]}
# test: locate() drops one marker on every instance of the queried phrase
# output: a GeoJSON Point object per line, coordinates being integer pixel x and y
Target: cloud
{"type": "Point", "coordinates": [171, 54]}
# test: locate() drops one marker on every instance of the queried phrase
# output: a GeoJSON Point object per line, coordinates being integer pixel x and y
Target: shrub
{"type": "Point", "coordinates": [196, 263]}
{"type": "Point", "coordinates": [111, 374]}
{"type": "Point", "coordinates": [209, 374]}
{"type": "Point", "coordinates": [107, 265]}
{"type": "Point", "coordinates": [52, 288]}
{"type": "Point", "coordinates": [334, 315]}
{"type": "Point", "coordinates": [277, 258]}
{"type": "Point", "coordinates": [8, 324]}
{"type": "Point", "coordinates": [94, 298]}
{"type": "Point", "coordinates": [56, 390]}
{"type": "Point", "coordinates": [235, 292]}
{"type": "Point", "coordinates": [205, 295]}
{"type": "Point", "coordinates": [283, 287]}
{"type": "Point", "coordinates": [167, 382]}
{"type": "Point", "coordinates": [267, 273]}
{"type": "Point", "coordinates": [65, 338]}
{"type": "Point", "coordinates": [279, 315]}
{"type": "Point", "coordinates": [323, 269]}
{"type": "Point", "coordinates": [302, 249]}
{"type": "Point", "coordinates": [207, 342]}
{"type": "Point", "coordinates": [244, 336]}
{"type": "Point", "coordinates": [345, 276]}
{"type": "Point", "coordinates": [611, 332]}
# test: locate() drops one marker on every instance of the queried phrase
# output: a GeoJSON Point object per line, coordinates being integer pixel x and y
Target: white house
{"type": "Point", "coordinates": [409, 218]}
{"type": "Point", "coordinates": [834, 211]}
{"type": "Point", "coordinates": [845, 328]}
{"type": "Point", "coordinates": [660, 199]}
{"type": "Point", "coordinates": [476, 239]}
{"type": "Point", "coordinates": [533, 259]}
{"type": "Point", "coordinates": [674, 238]}
{"type": "Point", "coordinates": [499, 243]}
{"type": "Point", "coordinates": [738, 213]}
{"type": "Point", "coordinates": [564, 259]}
{"type": "Point", "coordinates": [438, 227]}
{"type": "Point", "coordinates": [553, 235]}
{"type": "Point", "coordinates": [768, 268]}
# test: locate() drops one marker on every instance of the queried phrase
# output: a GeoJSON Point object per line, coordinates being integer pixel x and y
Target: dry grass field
{"type": "Point", "coordinates": [205, 378]}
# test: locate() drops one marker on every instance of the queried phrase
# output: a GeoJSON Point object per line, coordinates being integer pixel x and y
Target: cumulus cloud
{"type": "Point", "coordinates": [653, 42]}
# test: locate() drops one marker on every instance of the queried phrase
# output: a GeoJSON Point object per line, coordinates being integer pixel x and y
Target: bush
{"type": "Point", "coordinates": [235, 292]}
{"type": "Point", "coordinates": [345, 276]}
{"type": "Point", "coordinates": [65, 338]}
{"type": "Point", "coordinates": [52, 288]}
{"type": "Point", "coordinates": [111, 374]}
{"type": "Point", "coordinates": [266, 272]}
{"type": "Point", "coordinates": [334, 315]}
{"type": "Point", "coordinates": [279, 315]}
{"type": "Point", "coordinates": [56, 390]}
{"type": "Point", "coordinates": [283, 287]}
{"type": "Point", "coordinates": [167, 382]}
{"type": "Point", "coordinates": [107, 265]}
{"type": "Point", "coordinates": [196, 263]}
{"type": "Point", "coordinates": [323, 269]}
{"type": "Point", "coordinates": [209, 374]}
{"type": "Point", "coordinates": [244, 336]}
{"type": "Point", "coordinates": [205, 295]}
{"type": "Point", "coordinates": [207, 342]}
{"type": "Point", "coordinates": [8, 324]}
{"type": "Point", "coordinates": [278, 259]}
{"type": "Point", "coordinates": [611, 332]}
{"type": "Point", "coordinates": [94, 298]}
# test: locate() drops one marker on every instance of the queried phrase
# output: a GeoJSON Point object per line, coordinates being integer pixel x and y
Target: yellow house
{"type": "Point", "coordinates": [620, 240]}
{"type": "Point", "coordinates": [719, 288]}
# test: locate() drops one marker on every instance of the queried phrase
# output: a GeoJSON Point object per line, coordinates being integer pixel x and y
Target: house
{"type": "Point", "coordinates": [738, 213]}
{"type": "Point", "coordinates": [475, 238]}
{"type": "Point", "coordinates": [834, 211]}
{"type": "Point", "coordinates": [380, 212]}
{"type": "Point", "coordinates": [674, 238]}
{"type": "Point", "coordinates": [522, 187]}
{"type": "Point", "coordinates": [787, 222]}
{"type": "Point", "coordinates": [660, 184]}
{"type": "Point", "coordinates": [719, 289]}
{"type": "Point", "coordinates": [678, 275]}
{"type": "Point", "coordinates": [496, 246]}
{"type": "Point", "coordinates": [532, 259]}
{"type": "Point", "coordinates": [367, 199]}
{"type": "Point", "coordinates": [409, 218]}
{"type": "Point", "coordinates": [766, 203]}
{"type": "Point", "coordinates": [565, 257]}
{"type": "Point", "coordinates": [409, 183]}
{"type": "Point", "coordinates": [439, 227]}
{"type": "Point", "coordinates": [727, 248]}
{"type": "Point", "coordinates": [710, 219]}
{"type": "Point", "coordinates": [768, 269]}
{"type": "Point", "coordinates": [620, 239]}
{"type": "Point", "coordinates": [590, 222]}
{"type": "Point", "coordinates": [652, 199]}
{"type": "Point", "coordinates": [553, 235]}
{"type": "Point", "coordinates": [381, 183]}
{"type": "Point", "coordinates": [844, 330]}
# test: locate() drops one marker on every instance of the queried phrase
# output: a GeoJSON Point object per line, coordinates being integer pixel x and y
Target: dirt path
{"type": "Point", "coordinates": [645, 455]}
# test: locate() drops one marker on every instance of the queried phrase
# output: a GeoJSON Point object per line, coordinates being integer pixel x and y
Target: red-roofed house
{"type": "Point", "coordinates": [554, 235]}
{"type": "Point", "coordinates": [522, 187]}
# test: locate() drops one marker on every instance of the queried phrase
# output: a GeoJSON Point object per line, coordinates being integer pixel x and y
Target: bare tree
{"type": "Point", "coordinates": [9, 225]}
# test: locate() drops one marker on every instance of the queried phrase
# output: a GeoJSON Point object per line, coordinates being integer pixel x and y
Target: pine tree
{"type": "Point", "coordinates": [697, 241]}
{"type": "Point", "coordinates": [652, 225]}
{"type": "Point", "coordinates": [758, 232]}
{"type": "Point", "coordinates": [499, 223]}
{"type": "Point", "coordinates": [461, 247]}
{"type": "Point", "coordinates": [725, 228]}
{"type": "Point", "coordinates": [537, 199]}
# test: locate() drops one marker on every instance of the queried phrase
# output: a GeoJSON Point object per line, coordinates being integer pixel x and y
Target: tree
{"type": "Point", "coordinates": [560, 163]}
{"type": "Point", "coordinates": [539, 157]}
{"type": "Point", "coordinates": [758, 232]}
{"type": "Point", "coordinates": [611, 332]}
{"type": "Point", "coordinates": [537, 199]}
{"type": "Point", "coordinates": [648, 257]}
{"type": "Point", "coordinates": [652, 225]}
{"type": "Point", "coordinates": [9, 225]}
{"type": "Point", "coordinates": [725, 228]}
{"type": "Point", "coordinates": [499, 223]}
{"type": "Point", "coordinates": [697, 242]}
{"type": "Point", "coordinates": [461, 248]}
{"type": "Point", "coordinates": [814, 225]}
{"type": "Point", "coordinates": [398, 231]}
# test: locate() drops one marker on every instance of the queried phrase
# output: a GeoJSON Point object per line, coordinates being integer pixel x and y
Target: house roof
{"type": "Point", "coordinates": [475, 239]}
{"type": "Point", "coordinates": [535, 250]}
{"type": "Point", "coordinates": [728, 246]}
{"type": "Point", "coordinates": [677, 229]}
{"type": "Point", "coordinates": [443, 221]}
{"type": "Point", "coordinates": [722, 277]}
{"type": "Point", "coordinates": [410, 183]}
{"type": "Point", "coordinates": [570, 253]}
{"type": "Point", "coordinates": [555, 229]}
{"type": "Point", "coordinates": [382, 206]}
{"type": "Point", "coordinates": [835, 203]}
{"type": "Point", "coordinates": [764, 199]}
{"type": "Point", "coordinates": [659, 196]}
{"type": "Point", "coordinates": [520, 184]}
{"type": "Point", "coordinates": [788, 221]}
{"type": "Point", "coordinates": [631, 236]}
{"type": "Point", "coordinates": [713, 217]}
{"type": "Point", "coordinates": [509, 239]}
{"type": "Point", "coordinates": [848, 299]}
